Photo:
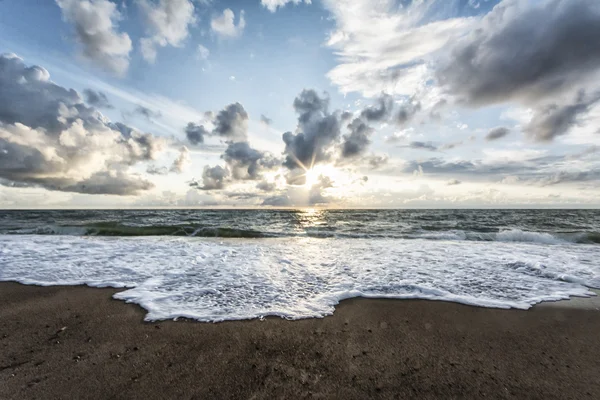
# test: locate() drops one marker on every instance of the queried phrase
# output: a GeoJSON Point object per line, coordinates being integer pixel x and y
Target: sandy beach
{"type": "Point", "coordinates": [78, 342]}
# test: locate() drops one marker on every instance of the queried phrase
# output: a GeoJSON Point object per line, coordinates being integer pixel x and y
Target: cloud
{"type": "Point", "coordinates": [316, 133]}
{"type": "Point", "coordinates": [358, 141]}
{"type": "Point", "coordinates": [224, 25]}
{"type": "Point", "coordinates": [50, 138]}
{"type": "Point", "coordinates": [400, 136]}
{"type": "Point", "coordinates": [246, 162]}
{"type": "Point", "coordinates": [407, 111]}
{"type": "Point", "coordinates": [435, 112]}
{"type": "Point", "coordinates": [96, 99]}
{"type": "Point", "coordinates": [301, 197]}
{"type": "Point", "coordinates": [422, 146]}
{"type": "Point", "coordinates": [567, 177]}
{"type": "Point", "coordinates": [196, 133]}
{"type": "Point", "coordinates": [296, 176]}
{"type": "Point", "coordinates": [554, 120]}
{"type": "Point", "coordinates": [154, 170]}
{"type": "Point", "coordinates": [497, 133]}
{"type": "Point", "coordinates": [453, 182]}
{"type": "Point", "coordinates": [146, 112]}
{"type": "Point", "coordinates": [168, 23]}
{"type": "Point", "coordinates": [181, 163]}
{"type": "Point", "coordinates": [494, 64]}
{"type": "Point", "coordinates": [266, 186]}
{"type": "Point", "coordinates": [378, 161]}
{"type": "Point", "coordinates": [315, 194]}
{"type": "Point", "coordinates": [265, 120]}
{"type": "Point", "coordinates": [213, 178]}
{"type": "Point", "coordinates": [96, 24]}
{"type": "Point", "coordinates": [381, 111]}
{"type": "Point", "coordinates": [511, 168]}
{"type": "Point", "coordinates": [386, 46]}
{"type": "Point", "coordinates": [449, 146]}
{"type": "Point", "coordinates": [202, 52]}
{"type": "Point", "coordinates": [282, 200]}
{"type": "Point", "coordinates": [272, 5]}
{"type": "Point", "coordinates": [232, 122]}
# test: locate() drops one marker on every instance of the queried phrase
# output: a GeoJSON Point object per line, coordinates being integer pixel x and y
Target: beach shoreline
{"type": "Point", "coordinates": [74, 342]}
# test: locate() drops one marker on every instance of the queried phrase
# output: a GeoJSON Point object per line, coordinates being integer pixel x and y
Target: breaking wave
{"type": "Point", "coordinates": [221, 279]}
{"type": "Point", "coordinates": [190, 230]}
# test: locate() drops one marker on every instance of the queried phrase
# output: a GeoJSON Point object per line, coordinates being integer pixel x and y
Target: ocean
{"type": "Point", "coordinates": [216, 265]}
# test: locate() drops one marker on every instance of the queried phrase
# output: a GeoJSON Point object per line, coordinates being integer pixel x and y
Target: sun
{"type": "Point", "coordinates": [312, 177]}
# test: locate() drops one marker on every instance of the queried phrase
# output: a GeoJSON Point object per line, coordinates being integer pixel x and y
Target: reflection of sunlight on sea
{"type": "Point", "coordinates": [312, 220]}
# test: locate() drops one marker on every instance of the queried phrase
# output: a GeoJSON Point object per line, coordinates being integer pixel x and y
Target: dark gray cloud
{"type": "Point", "coordinates": [281, 200]}
{"type": "Point", "coordinates": [265, 120]}
{"type": "Point", "coordinates": [495, 64]}
{"type": "Point", "coordinates": [497, 133]}
{"type": "Point", "coordinates": [551, 121]}
{"type": "Point", "coordinates": [107, 182]}
{"type": "Point", "coordinates": [358, 141]}
{"type": "Point", "coordinates": [381, 111]}
{"type": "Point", "coordinates": [422, 146]}
{"type": "Point", "coordinates": [50, 138]}
{"type": "Point", "coordinates": [96, 31]}
{"type": "Point", "coordinates": [213, 178]}
{"type": "Point", "coordinates": [317, 131]}
{"type": "Point", "coordinates": [146, 112]}
{"type": "Point", "coordinates": [196, 133]}
{"type": "Point", "coordinates": [568, 177]}
{"type": "Point", "coordinates": [96, 99]}
{"type": "Point", "coordinates": [450, 146]}
{"type": "Point", "coordinates": [246, 162]}
{"type": "Point", "coordinates": [242, 195]}
{"type": "Point", "coordinates": [346, 115]}
{"type": "Point", "coordinates": [583, 154]}
{"type": "Point", "coordinates": [407, 111]}
{"type": "Point", "coordinates": [540, 171]}
{"type": "Point", "coordinates": [232, 123]}
{"type": "Point", "coordinates": [378, 161]}
{"type": "Point", "coordinates": [266, 186]}
{"type": "Point", "coordinates": [29, 97]}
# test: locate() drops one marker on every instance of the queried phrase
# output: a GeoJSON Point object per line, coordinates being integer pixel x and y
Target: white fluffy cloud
{"type": "Point", "coordinates": [50, 138]}
{"type": "Point", "coordinates": [96, 30]}
{"type": "Point", "coordinates": [168, 23]}
{"type": "Point", "coordinates": [383, 47]}
{"type": "Point", "coordinates": [224, 25]}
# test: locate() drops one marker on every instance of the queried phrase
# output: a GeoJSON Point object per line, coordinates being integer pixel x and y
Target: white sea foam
{"type": "Point", "coordinates": [215, 280]}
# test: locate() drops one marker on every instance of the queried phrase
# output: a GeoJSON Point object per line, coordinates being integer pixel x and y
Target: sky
{"type": "Point", "coordinates": [299, 103]}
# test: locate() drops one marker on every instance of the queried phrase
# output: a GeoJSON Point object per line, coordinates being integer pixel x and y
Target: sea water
{"type": "Point", "coordinates": [215, 265]}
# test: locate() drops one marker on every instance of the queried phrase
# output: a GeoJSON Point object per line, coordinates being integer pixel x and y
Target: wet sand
{"type": "Point", "coordinates": [77, 342]}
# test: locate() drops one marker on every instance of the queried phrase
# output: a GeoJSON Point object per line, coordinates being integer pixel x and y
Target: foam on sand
{"type": "Point", "coordinates": [215, 280]}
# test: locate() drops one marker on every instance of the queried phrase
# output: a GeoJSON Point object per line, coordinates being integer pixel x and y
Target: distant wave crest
{"type": "Point", "coordinates": [118, 229]}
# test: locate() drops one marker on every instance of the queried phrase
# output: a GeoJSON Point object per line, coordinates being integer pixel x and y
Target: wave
{"type": "Point", "coordinates": [211, 280]}
{"type": "Point", "coordinates": [118, 229]}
